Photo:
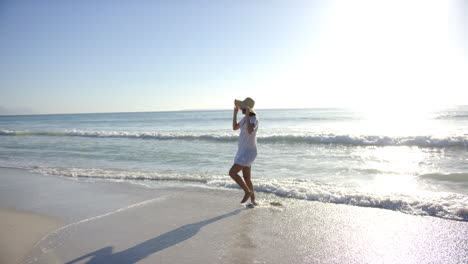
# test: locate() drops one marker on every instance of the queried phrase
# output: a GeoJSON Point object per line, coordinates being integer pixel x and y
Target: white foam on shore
{"type": "Point", "coordinates": [440, 204]}
{"type": "Point", "coordinates": [120, 175]}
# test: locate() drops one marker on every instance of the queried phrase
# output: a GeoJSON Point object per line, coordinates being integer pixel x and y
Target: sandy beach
{"type": "Point", "coordinates": [19, 231]}
{"type": "Point", "coordinates": [118, 222]}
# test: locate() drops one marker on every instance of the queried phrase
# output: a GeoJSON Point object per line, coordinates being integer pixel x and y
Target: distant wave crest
{"type": "Point", "coordinates": [444, 205]}
{"type": "Point", "coordinates": [358, 140]}
{"type": "Point", "coordinates": [371, 140]}
{"type": "Point", "coordinates": [452, 177]}
{"type": "Point", "coordinates": [453, 116]}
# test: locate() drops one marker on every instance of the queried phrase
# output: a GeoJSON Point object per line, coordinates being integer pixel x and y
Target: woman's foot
{"type": "Point", "coordinates": [246, 196]}
{"type": "Point", "coordinates": [252, 199]}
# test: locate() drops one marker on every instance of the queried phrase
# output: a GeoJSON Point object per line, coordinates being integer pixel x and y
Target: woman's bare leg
{"type": "Point", "coordinates": [246, 174]}
{"type": "Point", "coordinates": [233, 173]}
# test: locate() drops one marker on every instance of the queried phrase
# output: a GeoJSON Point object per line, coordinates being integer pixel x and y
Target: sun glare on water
{"type": "Point", "coordinates": [403, 120]}
{"type": "Point", "coordinates": [398, 166]}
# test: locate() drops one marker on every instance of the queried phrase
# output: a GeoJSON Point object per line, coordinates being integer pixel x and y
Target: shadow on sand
{"type": "Point", "coordinates": [151, 246]}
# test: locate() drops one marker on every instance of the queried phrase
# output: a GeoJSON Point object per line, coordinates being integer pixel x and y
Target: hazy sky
{"type": "Point", "coordinates": [117, 56]}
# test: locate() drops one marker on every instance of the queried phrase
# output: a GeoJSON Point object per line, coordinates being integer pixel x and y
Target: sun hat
{"type": "Point", "coordinates": [248, 102]}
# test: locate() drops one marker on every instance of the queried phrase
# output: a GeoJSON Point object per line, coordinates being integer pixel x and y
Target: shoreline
{"type": "Point", "coordinates": [397, 203]}
{"type": "Point", "coordinates": [20, 231]}
{"type": "Point", "coordinates": [121, 222]}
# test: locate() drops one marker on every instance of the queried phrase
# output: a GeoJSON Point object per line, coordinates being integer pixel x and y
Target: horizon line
{"type": "Point", "coordinates": [201, 110]}
{"type": "Point", "coordinates": [168, 111]}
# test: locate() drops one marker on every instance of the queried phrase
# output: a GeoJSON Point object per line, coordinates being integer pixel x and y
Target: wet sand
{"type": "Point", "coordinates": [19, 231]}
{"type": "Point", "coordinates": [119, 222]}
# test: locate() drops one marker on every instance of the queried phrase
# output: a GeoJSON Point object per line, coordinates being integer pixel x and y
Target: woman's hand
{"type": "Point", "coordinates": [235, 125]}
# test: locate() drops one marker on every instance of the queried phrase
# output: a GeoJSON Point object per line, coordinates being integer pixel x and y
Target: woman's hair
{"type": "Point", "coordinates": [243, 112]}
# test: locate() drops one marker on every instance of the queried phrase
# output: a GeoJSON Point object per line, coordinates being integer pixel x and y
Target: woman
{"type": "Point", "coordinates": [247, 149]}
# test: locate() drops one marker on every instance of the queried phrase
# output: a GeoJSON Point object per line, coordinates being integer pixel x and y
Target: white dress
{"type": "Point", "coordinates": [247, 150]}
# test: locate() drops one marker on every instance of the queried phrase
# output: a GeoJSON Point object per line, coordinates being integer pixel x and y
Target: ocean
{"type": "Point", "coordinates": [415, 162]}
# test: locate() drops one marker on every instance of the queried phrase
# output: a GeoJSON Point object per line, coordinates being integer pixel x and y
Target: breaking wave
{"type": "Point", "coordinates": [358, 140]}
{"type": "Point", "coordinates": [452, 177]}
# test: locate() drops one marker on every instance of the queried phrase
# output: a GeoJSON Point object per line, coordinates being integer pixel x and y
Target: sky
{"type": "Point", "coordinates": [125, 56]}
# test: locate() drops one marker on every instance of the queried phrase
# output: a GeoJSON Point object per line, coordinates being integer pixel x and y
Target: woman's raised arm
{"type": "Point", "coordinates": [235, 125]}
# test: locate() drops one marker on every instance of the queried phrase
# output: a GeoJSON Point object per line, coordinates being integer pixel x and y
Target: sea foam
{"type": "Point", "coordinates": [441, 204]}
{"type": "Point", "coordinates": [357, 140]}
